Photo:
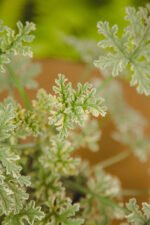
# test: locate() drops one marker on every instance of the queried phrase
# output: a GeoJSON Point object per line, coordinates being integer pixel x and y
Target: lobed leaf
{"type": "Point", "coordinates": [29, 214]}
{"type": "Point", "coordinates": [131, 50]}
{"type": "Point", "coordinates": [6, 120]}
{"type": "Point", "coordinates": [14, 44]}
{"type": "Point", "coordinates": [58, 158]}
{"type": "Point", "coordinates": [62, 212]}
{"type": "Point", "coordinates": [135, 216]}
{"type": "Point", "coordinates": [72, 107]}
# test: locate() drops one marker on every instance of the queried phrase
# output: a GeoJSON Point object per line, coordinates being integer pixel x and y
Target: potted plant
{"type": "Point", "coordinates": [41, 181]}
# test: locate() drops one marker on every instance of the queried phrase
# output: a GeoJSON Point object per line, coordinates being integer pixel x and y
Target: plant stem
{"type": "Point", "coordinates": [104, 83]}
{"type": "Point", "coordinates": [19, 86]}
{"type": "Point", "coordinates": [115, 159]}
{"type": "Point", "coordinates": [23, 146]}
{"type": "Point", "coordinates": [104, 200]}
{"type": "Point", "coordinates": [130, 192]}
{"type": "Point", "coordinates": [86, 72]}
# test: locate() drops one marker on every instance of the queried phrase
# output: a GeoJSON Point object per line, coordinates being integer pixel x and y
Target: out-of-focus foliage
{"type": "Point", "coordinates": [130, 124]}
{"type": "Point", "coordinates": [55, 20]}
{"type": "Point", "coordinates": [24, 69]}
{"type": "Point", "coordinates": [136, 217]}
{"type": "Point", "coordinates": [87, 48]}
{"type": "Point", "coordinates": [98, 203]}
{"type": "Point", "coordinates": [88, 136]}
{"type": "Point", "coordinates": [130, 50]}
{"type": "Point", "coordinates": [69, 106]}
{"type": "Point", "coordinates": [15, 43]}
{"type": "Point", "coordinates": [63, 189]}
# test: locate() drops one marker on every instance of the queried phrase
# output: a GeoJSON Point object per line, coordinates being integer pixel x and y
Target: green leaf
{"type": "Point", "coordinates": [143, 82]}
{"type": "Point", "coordinates": [98, 203]}
{"type": "Point", "coordinates": [24, 69]}
{"type": "Point", "coordinates": [12, 195]}
{"type": "Point", "coordinates": [4, 59]}
{"type": "Point", "coordinates": [24, 181]}
{"type": "Point", "coordinates": [116, 61]}
{"type": "Point", "coordinates": [136, 29]}
{"type": "Point", "coordinates": [146, 210]}
{"type": "Point", "coordinates": [64, 217]}
{"type": "Point", "coordinates": [6, 120]}
{"type": "Point", "coordinates": [129, 122]}
{"type": "Point", "coordinates": [14, 44]}
{"type": "Point", "coordinates": [129, 51]}
{"type": "Point", "coordinates": [135, 216]}
{"type": "Point", "coordinates": [8, 161]}
{"type": "Point", "coordinates": [72, 107]}
{"type": "Point", "coordinates": [58, 158]}
{"type": "Point", "coordinates": [44, 102]}
{"type": "Point", "coordinates": [104, 184]}
{"type": "Point", "coordinates": [30, 214]}
{"type": "Point", "coordinates": [19, 196]}
{"type": "Point", "coordinates": [88, 136]}
{"type": "Point", "coordinates": [110, 61]}
{"type": "Point", "coordinates": [47, 183]}
{"type": "Point", "coordinates": [6, 202]}
{"type": "Point", "coordinates": [62, 212]}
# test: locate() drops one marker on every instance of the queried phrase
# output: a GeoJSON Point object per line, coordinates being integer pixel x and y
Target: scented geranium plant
{"type": "Point", "coordinates": [41, 183]}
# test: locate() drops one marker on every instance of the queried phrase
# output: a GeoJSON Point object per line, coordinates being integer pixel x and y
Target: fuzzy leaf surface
{"type": "Point", "coordinates": [130, 50]}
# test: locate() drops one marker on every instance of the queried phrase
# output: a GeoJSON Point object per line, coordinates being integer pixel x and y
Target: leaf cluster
{"type": "Point", "coordinates": [12, 43]}
{"type": "Point", "coordinates": [131, 50]}
{"type": "Point", "coordinates": [62, 189]}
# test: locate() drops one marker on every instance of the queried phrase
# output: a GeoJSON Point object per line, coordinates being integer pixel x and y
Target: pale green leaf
{"type": "Point", "coordinates": [28, 215]}
{"type": "Point", "coordinates": [146, 210]}
{"type": "Point", "coordinates": [135, 216]}
{"type": "Point", "coordinates": [6, 202]}
{"type": "Point", "coordinates": [72, 107]}
{"type": "Point", "coordinates": [19, 196]}
{"type": "Point", "coordinates": [143, 82]}
{"type": "Point", "coordinates": [88, 136]}
{"type": "Point", "coordinates": [129, 51]}
{"type": "Point", "coordinates": [58, 158]}
{"type": "Point", "coordinates": [62, 212]}
{"type": "Point", "coordinates": [6, 120]}
{"type": "Point", "coordinates": [24, 69]}
{"type": "Point", "coordinates": [12, 43]}
{"type": "Point", "coordinates": [8, 160]}
{"type": "Point", "coordinates": [117, 63]}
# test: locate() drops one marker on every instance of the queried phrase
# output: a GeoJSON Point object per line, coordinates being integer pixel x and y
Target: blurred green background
{"type": "Point", "coordinates": [56, 19]}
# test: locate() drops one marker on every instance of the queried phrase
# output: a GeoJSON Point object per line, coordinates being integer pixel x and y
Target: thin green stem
{"type": "Point", "coordinates": [86, 72]}
{"type": "Point", "coordinates": [104, 83]}
{"type": "Point", "coordinates": [19, 86]}
{"type": "Point", "coordinates": [11, 86]}
{"type": "Point", "coordinates": [115, 159]}
{"type": "Point", "coordinates": [133, 192]}
{"type": "Point", "coordinates": [104, 200]}
{"type": "Point", "coordinates": [23, 146]}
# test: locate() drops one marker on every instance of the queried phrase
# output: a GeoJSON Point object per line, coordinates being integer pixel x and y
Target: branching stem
{"type": "Point", "coordinates": [104, 83]}
{"type": "Point", "coordinates": [104, 200]}
{"type": "Point", "coordinates": [115, 159]}
{"type": "Point", "coordinates": [19, 86]}
{"type": "Point", "coordinates": [24, 146]}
